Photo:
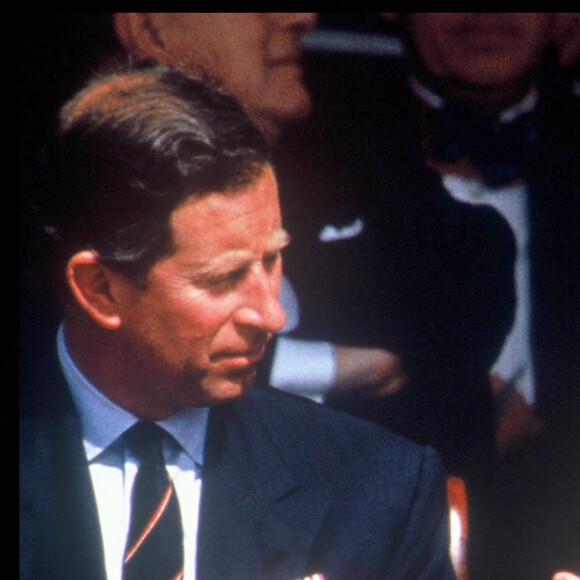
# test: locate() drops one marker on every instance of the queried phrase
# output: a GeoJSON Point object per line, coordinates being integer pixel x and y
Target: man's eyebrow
{"type": "Point", "coordinates": [280, 239]}
{"type": "Point", "coordinates": [235, 259]}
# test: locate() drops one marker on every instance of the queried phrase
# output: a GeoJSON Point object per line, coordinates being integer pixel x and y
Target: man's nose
{"type": "Point", "coordinates": [308, 19]}
{"type": "Point", "coordinates": [302, 20]}
{"type": "Point", "coordinates": [261, 307]}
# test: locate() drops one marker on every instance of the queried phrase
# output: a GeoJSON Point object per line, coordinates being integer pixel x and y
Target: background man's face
{"type": "Point", "coordinates": [202, 323]}
{"type": "Point", "coordinates": [481, 49]}
{"type": "Point", "coordinates": [255, 55]}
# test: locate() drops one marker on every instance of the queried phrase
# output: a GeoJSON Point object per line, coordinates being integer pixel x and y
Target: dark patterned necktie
{"type": "Point", "coordinates": [154, 547]}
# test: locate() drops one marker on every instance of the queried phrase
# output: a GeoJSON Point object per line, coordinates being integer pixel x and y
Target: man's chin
{"type": "Point", "coordinates": [297, 108]}
{"type": "Point", "coordinates": [227, 387]}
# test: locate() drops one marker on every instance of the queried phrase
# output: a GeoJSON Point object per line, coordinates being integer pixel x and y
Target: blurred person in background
{"type": "Point", "coordinates": [488, 108]}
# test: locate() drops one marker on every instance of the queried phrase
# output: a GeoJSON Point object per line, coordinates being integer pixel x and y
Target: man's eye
{"type": "Point", "coordinates": [227, 280]}
{"type": "Point", "coordinates": [270, 260]}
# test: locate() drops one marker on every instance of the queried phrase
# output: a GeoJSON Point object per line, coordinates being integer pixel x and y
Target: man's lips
{"type": "Point", "coordinates": [238, 359]}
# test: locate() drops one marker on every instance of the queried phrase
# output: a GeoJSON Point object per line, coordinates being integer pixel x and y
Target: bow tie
{"type": "Point", "coordinates": [496, 149]}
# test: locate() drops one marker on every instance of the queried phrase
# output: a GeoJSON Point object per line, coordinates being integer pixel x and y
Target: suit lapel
{"type": "Point", "coordinates": [258, 518]}
{"type": "Point", "coordinates": [60, 535]}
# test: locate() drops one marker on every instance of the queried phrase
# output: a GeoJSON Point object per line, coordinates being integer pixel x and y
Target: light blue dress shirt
{"type": "Point", "coordinates": [113, 468]}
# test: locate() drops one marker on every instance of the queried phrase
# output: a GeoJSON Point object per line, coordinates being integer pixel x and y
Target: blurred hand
{"type": "Point", "coordinates": [518, 421]}
{"type": "Point", "coordinates": [371, 372]}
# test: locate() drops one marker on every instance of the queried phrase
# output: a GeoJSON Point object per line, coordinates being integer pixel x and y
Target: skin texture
{"type": "Point", "coordinates": [194, 334]}
{"type": "Point", "coordinates": [485, 58]}
{"type": "Point", "coordinates": [254, 55]}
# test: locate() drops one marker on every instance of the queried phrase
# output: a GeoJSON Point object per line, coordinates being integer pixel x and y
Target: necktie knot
{"type": "Point", "coordinates": [145, 440]}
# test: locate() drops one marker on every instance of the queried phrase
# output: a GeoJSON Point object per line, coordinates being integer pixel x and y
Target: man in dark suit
{"type": "Point", "coordinates": [163, 207]}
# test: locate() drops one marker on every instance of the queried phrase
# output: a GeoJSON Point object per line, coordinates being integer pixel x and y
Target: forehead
{"type": "Point", "coordinates": [247, 216]}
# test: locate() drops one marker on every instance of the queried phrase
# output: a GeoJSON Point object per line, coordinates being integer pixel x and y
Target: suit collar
{"type": "Point", "coordinates": [58, 518]}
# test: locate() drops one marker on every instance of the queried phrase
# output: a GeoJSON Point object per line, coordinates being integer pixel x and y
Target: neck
{"type": "Point", "coordinates": [92, 350]}
{"type": "Point", "coordinates": [101, 357]}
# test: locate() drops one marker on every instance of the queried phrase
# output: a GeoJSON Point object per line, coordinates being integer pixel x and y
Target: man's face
{"type": "Point", "coordinates": [200, 326]}
{"type": "Point", "coordinates": [481, 49]}
{"type": "Point", "coordinates": [255, 55]}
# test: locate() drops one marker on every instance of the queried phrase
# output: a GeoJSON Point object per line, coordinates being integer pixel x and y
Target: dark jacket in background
{"type": "Point", "coordinates": [429, 277]}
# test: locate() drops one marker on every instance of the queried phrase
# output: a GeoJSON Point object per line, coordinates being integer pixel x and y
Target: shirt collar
{"type": "Point", "coordinates": [103, 422]}
{"type": "Point", "coordinates": [435, 101]}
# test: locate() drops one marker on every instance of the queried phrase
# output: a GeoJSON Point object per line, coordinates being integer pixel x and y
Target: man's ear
{"type": "Point", "coordinates": [137, 32]}
{"type": "Point", "coordinates": [91, 284]}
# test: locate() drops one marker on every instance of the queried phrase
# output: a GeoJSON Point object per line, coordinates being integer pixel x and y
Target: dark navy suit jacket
{"type": "Point", "coordinates": [289, 489]}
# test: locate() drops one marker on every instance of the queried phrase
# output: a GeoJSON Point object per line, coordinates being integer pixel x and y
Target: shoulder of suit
{"type": "Point", "coordinates": [327, 437]}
